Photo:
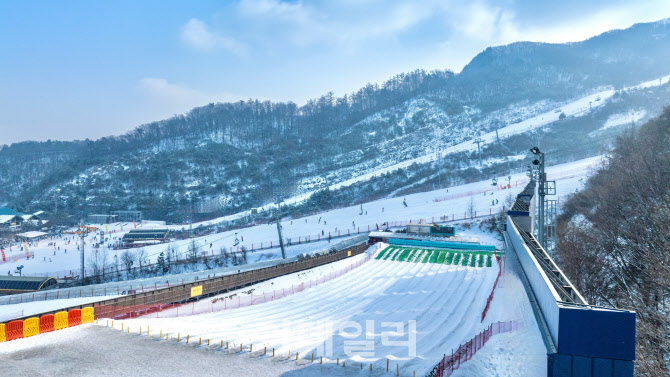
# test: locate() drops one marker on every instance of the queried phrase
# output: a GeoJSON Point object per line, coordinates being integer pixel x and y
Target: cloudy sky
{"type": "Point", "coordinates": [87, 69]}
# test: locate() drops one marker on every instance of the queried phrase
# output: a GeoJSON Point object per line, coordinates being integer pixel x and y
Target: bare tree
{"type": "Point", "coordinates": [471, 207]}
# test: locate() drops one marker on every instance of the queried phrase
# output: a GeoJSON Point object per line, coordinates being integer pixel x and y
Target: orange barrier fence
{"type": "Point", "coordinates": [46, 323]}
{"type": "Point", "coordinates": [14, 330]}
{"type": "Point", "coordinates": [74, 317]}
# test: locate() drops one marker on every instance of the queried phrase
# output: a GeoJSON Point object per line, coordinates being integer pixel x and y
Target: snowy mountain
{"type": "Point", "coordinates": [412, 132]}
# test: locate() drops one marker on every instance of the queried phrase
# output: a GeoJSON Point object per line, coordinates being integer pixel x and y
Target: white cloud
{"type": "Point", "coordinates": [495, 25]}
{"type": "Point", "coordinates": [197, 35]}
{"type": "Point", "coordinates": [176, 99]}
{"type": "Point", "coordinates": [342, 23]}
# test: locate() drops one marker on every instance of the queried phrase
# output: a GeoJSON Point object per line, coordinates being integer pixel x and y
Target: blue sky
{"type": "Point", "coordinates": [87, 69]}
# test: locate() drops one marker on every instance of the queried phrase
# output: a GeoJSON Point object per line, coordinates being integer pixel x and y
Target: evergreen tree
{"type": "Point", "coordinates": [161, 263]}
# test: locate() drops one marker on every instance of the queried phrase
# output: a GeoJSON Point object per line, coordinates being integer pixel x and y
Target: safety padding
{"type": "Point", "coordinates": [2, 332]}
{"type": "Point", "coordinates": [46, 323]}
{"type": "Point", "coordinates": [60, 320]}
{"type": "Point", "coordinates": [31, 327]}
{"type": "Point", "coordinates": [74, 317]}
{"type": "Point", "coordinates": [14, 330]}
{"type": "Point", "coordinates": [87, 315]}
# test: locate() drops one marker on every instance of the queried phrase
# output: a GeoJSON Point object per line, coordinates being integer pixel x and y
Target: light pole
{"type": "Point", "coordinates": [83, 241]}
{"type": "Point", "coordinates": [542, 177]}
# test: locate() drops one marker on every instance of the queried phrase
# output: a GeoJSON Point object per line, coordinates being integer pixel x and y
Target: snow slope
{"type": "Point", "coordinates": [445, 301]}
{"type": "Point", "coordinates": [426, 205]}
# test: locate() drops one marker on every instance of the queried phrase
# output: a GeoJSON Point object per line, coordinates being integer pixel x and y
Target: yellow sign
{"type": "Point", "coordinates": [196, 291]}
{"type": "Point", "coordinates": [349, 253]}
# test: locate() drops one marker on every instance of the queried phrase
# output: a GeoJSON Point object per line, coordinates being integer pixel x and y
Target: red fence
{"type": "Point", "coordinates": [488, 301]}
{"type": "Point", "coordinates": [450, 363]}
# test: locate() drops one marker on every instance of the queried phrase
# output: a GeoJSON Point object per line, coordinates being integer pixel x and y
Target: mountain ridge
{"type": "Point", "coordinates": [230, 154]}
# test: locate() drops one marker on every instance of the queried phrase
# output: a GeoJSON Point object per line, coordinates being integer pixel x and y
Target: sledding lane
{"type": "Point", "coordinates": [445, 301]}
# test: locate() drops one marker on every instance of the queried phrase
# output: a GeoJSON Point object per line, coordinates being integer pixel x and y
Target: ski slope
{"type": "Point", "coordinates": [426, 205]}
{"type": "Point", "coordinates": [445, 301]}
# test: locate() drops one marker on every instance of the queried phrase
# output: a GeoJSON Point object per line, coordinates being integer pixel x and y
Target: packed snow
{"type": "Point", "coordinates": [629, 117]}
{"type": "Point", "coordinates": [381, 310]}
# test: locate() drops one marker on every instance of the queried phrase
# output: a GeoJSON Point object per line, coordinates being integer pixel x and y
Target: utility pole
{"type": "Point", "coordinates": [479, 141]}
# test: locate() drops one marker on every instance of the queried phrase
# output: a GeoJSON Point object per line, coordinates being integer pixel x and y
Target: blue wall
{"type": "Point", "coordinates": [442, 244]}
{"type": "Point", "coordinates": [597, 333]}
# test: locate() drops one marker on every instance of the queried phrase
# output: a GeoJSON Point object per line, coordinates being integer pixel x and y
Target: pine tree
{"type": "Point", "coordinates": [161, 262]}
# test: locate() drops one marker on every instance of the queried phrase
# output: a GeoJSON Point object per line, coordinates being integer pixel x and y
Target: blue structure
{"type": "Point", "coordinates": [581, 339]}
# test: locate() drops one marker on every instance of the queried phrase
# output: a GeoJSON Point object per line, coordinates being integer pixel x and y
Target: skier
{"type": "Point", "coordinates": [322, 232]}
{"type": "Point", "coordinates": [404, 202]}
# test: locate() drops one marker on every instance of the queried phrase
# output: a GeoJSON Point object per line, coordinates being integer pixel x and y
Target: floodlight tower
{"type": "Point", "coordinates": [542, 177]}
{"type": "Point", "coordinates": [83, 241]}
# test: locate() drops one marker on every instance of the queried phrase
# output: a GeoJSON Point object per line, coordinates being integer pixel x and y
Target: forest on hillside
{"type": "Point", "coordinates": [614, 238]}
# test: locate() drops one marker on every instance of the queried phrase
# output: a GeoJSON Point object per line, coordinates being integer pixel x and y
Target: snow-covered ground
{"type": "Point", "coordinates": [452, 202]}
{"type": "Point", "coordinates": [629, 117]}
{"type": "Point", "coordinates": [370, 309]}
